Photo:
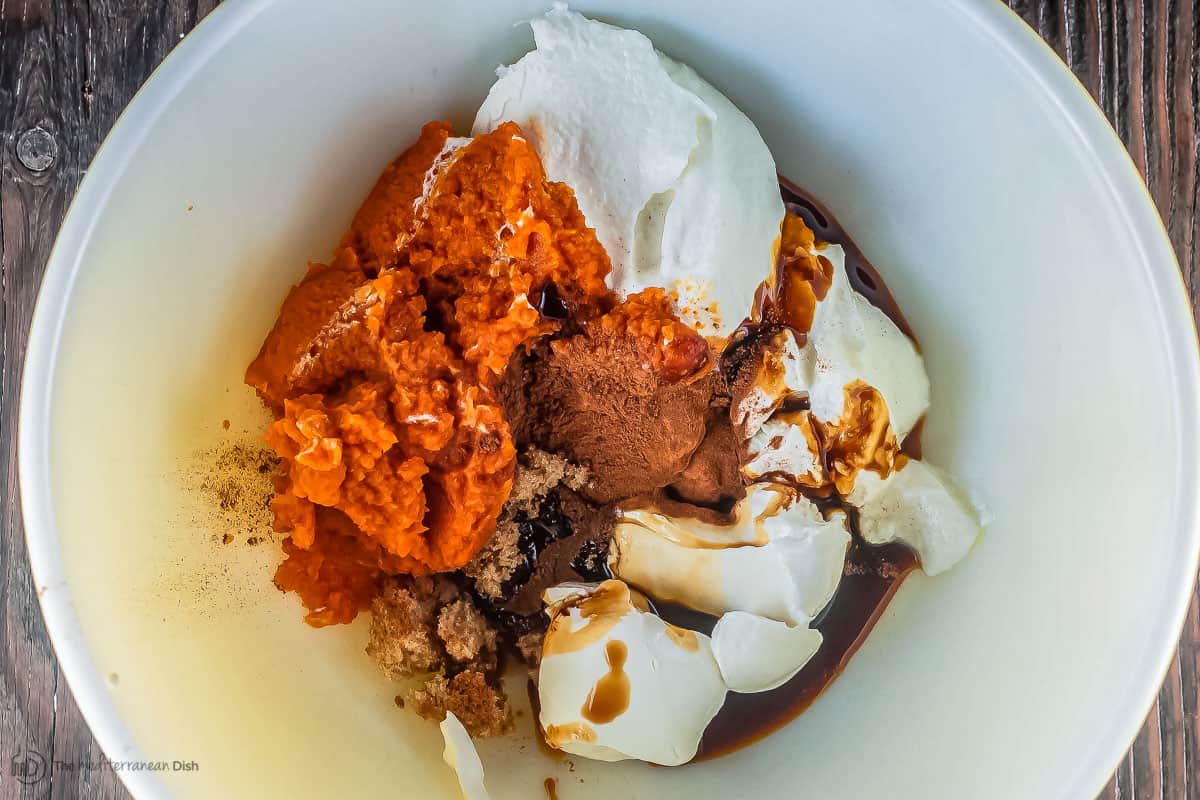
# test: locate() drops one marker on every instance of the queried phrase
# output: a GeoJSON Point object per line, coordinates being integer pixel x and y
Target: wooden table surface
{"type": "Point", "coordinates": [67, 69]}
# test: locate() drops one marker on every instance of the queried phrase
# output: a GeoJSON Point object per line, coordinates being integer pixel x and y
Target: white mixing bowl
{"type": "Point", "coordinates": [961, 155]}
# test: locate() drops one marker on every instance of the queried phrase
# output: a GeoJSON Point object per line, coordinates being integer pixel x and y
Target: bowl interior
{"type": "Point", "coordinates": [1005, 218]}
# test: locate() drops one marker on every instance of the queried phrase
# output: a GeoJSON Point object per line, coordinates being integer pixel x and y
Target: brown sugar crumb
{"type": "Point", "coordinates": [425, 625]}
{"type": "Point", "coordinates": [402, 639]}
{"type": "Point", "coordinates": [225, 424]}
{"type": "Point", "coordinates": [399, 701]}
{"type": "Point", "coordinates": [529, 647]}
{"type": "Point", "coordinates": [227, 538]}
{"type": "Point", "coordinates": [482, 708]}
{"type": "Point", "coordinates": [498, 559]}
{"type": "Point", "coordinates": [538, 473]}
{"type": "Point", "coordinates": [467, 635]}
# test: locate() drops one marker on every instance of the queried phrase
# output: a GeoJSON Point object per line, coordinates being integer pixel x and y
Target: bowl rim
{"type": "Point", "coordinates": [1041, 67]}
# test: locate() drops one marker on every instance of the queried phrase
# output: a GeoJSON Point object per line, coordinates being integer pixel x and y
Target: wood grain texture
{"type": "Point", "coordinates": [67, 69]}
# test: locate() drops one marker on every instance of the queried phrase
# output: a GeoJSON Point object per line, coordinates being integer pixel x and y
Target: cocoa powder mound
{"type": "Point", "coordinates": [713, 477]}
{"type": "Point", "coordinates": [596, 400]}
{"type": "Point", "coordinates": [515, 388]}
{"type": "Point", "coordinates": [604, 421]}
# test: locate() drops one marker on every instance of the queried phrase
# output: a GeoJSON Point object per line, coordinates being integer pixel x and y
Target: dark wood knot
{"type": "Point", "coordinates": [37, 149]}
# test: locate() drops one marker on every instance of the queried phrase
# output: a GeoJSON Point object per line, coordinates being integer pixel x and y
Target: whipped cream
{"type": "Point", "coordinates": [617, 682]}
{"type": "Point", "coordinates": [757, 654]}
{"type": "Point", "coordinates": [921, 506]}
{"type": "Point", "coordinates": [722, 225]}
{"type": "Point", "coordinates": [462, 757]}
{"type": "Point", "coordinates": [781, 559]}
{"type": "Point", "coordinates": [678, 183]}
{"type": "Point", "coordinates": [853, 340]}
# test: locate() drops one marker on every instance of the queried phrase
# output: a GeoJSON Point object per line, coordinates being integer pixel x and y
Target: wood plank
{"type": "Point", "coordinates": [67, 69]}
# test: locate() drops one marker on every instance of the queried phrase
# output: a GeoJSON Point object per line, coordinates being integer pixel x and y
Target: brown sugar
{"type": "Point", "coordinates": [402, 638]}
{"type": "Point", "coordinates": [529, 647]}
{"type": "Point", "coordinates": [425, 627]}
{"type": "Point", "coordinates": [499, 558]}
{"type": "Point", "coordinates": [466, 635]}
{"type": "Point", "coordinates": [482, 708]}
{"type": "Point", "coordinates": [537, 473]}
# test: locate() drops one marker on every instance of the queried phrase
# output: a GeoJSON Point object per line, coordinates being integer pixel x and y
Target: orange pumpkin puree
{"type": "Point", "coordinates": [382, 367]}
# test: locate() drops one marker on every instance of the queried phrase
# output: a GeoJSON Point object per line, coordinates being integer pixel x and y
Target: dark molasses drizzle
{"type": "Point", "coordinates": [872, 574]}
{"type": "Point", "coordinates": [865, 279]}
